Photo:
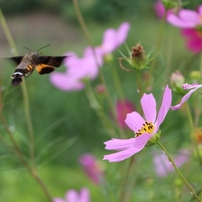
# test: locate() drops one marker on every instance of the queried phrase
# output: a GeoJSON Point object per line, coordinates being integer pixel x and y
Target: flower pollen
{"type": "Point", "coordinates": [147, 127]}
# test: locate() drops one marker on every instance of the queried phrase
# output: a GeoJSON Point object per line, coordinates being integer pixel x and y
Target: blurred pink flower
{"type": "Point", "coordinates": [186, 18]}
{"type": "Point", "coordinates": [92, 168]}
{"type": "Point", "coordinates": [73, 196]}
{"type": "Point", "coordinates": [159, 9]}
{"type": "Point", "coordinates": [162, 165]}
{"type": "Point", "coordinates": [123, 107]}
{"type": "Point", "coordinates": [187, 86]}
{"type": "Point", "coordinates": [78, 69]}
{"type": "Point", "coordinates": [87, 67]}
{"type": "Point", "coordinates": [191, 22]}
{"type": "Point", "coordinates": [193, 38]}
{"type": "Point", "coordinates": [144, 128]}
{"type": "Point", "coordinates": [112, 38]}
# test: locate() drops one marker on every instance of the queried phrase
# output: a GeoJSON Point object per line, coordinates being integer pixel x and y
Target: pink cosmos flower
{"type": "Point", "coordinates": [78, 69]}
{"type": "Point", "coordinates": [112, 38]}
{"type": "Point", "coordinates": [187, 86]}
{"type": "Point", "coordinates": [193, 38]}
{"type": "Point", "coordinates": [186, 18]}
{"type": "Point", "coordinates": [92, 168]}
{"type": "Point", "coordinates": [162, 165]}
{"type": "Point", "coordinates": [87, 67]}
{"type": "Point", "coordinates": [159, 9]}
{"type": "Point", "coordinates": [189, 21]}
{"type": "Point", "coordinates": [123, 107]}
{"type": "Point", "coordinates": [144, 128]}
{"type": "Point", "coordinates": [73, 196]}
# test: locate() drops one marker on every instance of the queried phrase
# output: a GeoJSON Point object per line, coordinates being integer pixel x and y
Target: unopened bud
{"type": "Point", "coordinates": [176, 81]}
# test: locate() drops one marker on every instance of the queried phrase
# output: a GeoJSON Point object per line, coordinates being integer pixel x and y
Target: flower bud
{"type": "Point", "coordinates": [176, 81]}
{"type": "Point", "coordinates": [137, 54]}
{"type": "Point", "coordinates": [100, 89]}
{"type": "Point", "coordinates": [195, 75]}
{"type": "Point", "coordinates": [108, 58]}
{"type": "Point", "coordinates": [137, 59]}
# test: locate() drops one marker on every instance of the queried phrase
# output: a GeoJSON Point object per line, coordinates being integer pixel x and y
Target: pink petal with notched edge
{"type": "Point", "coordinates": [165, 106]}
{"type": "Point", "coordinates": [134, 121]}
{"type": "Point", "coordinates": [148, 104]}
{"type": "Point", "coordinates": [185, 19]}
{"type": "Point", "coordinates": [138, 144]}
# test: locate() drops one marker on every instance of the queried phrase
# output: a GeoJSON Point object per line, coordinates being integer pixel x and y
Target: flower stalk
{"type": "Point", "coordinates": [179, 173]}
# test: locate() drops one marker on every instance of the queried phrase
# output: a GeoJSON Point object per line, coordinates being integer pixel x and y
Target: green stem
{"type": "Point", "coordinates": [99, 110]}
{"type": "Point", "coordinates": [193, 134]}
{"type": "Point", "coordinates": [139, 85]}
{"type": "Point", "coordinates": [117, 83]}
{"type": "Point", "coordinates": [124, 185]}
{"type": "Point", "coordinates": [23, 86]}
{"type": "Point", "coordinates": [88, 38]}
{"type": "Point", "coordinates": [17, 152]}
{"type": "Point", "coordinates": [179, 173]}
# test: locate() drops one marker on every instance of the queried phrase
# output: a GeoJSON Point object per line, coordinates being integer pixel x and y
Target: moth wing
{"type": "Point", "coordinates": [44, 68]}
{"type": "Point", "coordinates": [16, 59]}
{"type": "Point", "coordinates": [54, 61]}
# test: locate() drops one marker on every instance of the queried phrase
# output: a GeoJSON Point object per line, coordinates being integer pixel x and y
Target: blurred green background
{"type": "Point", "coordinates": [64, 124]}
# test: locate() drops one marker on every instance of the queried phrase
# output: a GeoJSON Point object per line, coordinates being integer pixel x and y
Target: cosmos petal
{"type": "Point", "coordinates": [193, 88]}
{"type": "Point", "coordinates": [165, 106]}
{"type": "Point", "coordinates": [138, 145]}
{"type": "Point", "coordinates": [149, 107]}
{"type": "Point", "coordinates": [134, 121]}
{"type": "Point", "coordinates": [119, 144]}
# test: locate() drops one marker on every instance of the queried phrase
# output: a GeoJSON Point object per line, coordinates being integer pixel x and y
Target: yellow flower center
{"type": "Point", "coordinates": [147, 127]}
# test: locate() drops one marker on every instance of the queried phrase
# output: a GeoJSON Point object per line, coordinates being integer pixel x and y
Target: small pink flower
{"type": "Point", "coordinates": [123, 107]}
{"type": "Point", "coordinates": [144, 128]}
{"type": "Point", "coordinates": [112, 38]}
{"type": "Point", "coordinates": [87, 67]}
{"type": "Point", "coordinates": [193, 38]}
{"type": "Point", "coordinates": [78, 69]}
{"type": "Point", "coordinates": [191, 23]}
{"type": "Point", "coordinates": [74, 196]}
{"type": "Point", "coordinates": [186, 18]}
{"type": "Point", "coordinates": [159, 9]}
{"type": "Point", "coordinates": [187, 86]}
{"type": "Point", "coordinates": [92, 168]}
{"type": "Point", "coordinates": [162, 165]}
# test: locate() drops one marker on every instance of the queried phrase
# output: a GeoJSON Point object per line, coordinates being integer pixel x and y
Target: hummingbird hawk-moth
{"type": "Point", "coordinates": [32, 60]}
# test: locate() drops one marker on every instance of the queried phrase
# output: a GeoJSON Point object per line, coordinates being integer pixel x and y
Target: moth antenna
{"type": "Point", "coordinates": [26, 48]}
{"type": "Point", "coordinates": [43, 47]}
